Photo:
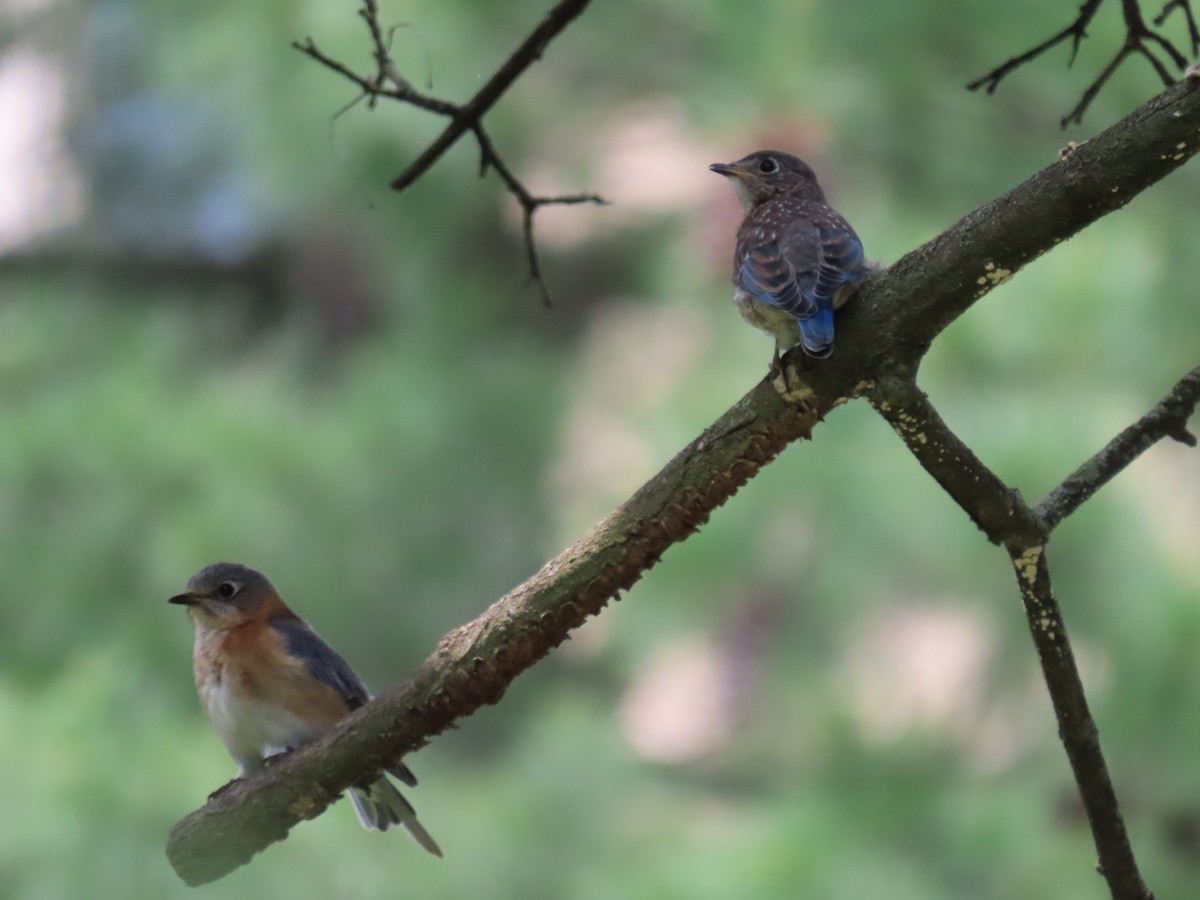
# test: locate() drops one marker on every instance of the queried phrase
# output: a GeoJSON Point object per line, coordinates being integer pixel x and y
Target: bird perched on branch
{"type": "Point", "coordinates": [270, 684]}
{"type": "Point", "coordinates": [795, 256]}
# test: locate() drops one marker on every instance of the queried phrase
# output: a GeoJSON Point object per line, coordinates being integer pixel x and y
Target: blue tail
{"type": "Point", "coordinates": [816, 332]}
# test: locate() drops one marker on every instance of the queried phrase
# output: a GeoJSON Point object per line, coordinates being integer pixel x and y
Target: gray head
{"type": "Point", "coordinates": [228, 592]}
{"type": "Point", "coordinates": [767, 173]}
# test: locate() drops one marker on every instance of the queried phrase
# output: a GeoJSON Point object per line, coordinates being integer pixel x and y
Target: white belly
{"type": "Point", "coordinates": [774, 321]}
{"type": "Point", "coordinates": [251, 729]}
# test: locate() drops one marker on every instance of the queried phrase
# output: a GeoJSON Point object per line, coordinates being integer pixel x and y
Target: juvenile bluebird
{"type": "Point", "coordinates": [795, 256]}
{"type": "Point", "coordinates": [270, 684]}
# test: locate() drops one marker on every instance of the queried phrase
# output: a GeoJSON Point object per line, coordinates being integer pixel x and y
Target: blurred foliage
{"type": "Point", "coordinates": [222, 337]}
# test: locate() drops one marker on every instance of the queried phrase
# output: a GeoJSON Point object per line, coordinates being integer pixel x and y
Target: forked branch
{"type": "Point", "coordinates": [387, 81]}
{"type": "Point", "coordinates": [1140, 40]}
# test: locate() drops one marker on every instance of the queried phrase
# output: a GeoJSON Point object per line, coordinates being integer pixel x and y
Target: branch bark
{"type": "Point", "coordinates": [883, 335]}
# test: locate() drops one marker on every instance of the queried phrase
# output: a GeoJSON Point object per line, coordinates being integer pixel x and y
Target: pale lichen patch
{"type": "Point", "coordinates": [909, 428]}
{"type": "Point", "coordinates": [994, 275]}
{"type": "Point", "coordinates": [1026, 563]}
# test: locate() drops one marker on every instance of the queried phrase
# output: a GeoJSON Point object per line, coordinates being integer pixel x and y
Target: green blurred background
{"type": "Point", "coordinates": [222, 337]}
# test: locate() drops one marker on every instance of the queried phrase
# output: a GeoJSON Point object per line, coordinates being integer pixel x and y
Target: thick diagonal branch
{"type": "Point", "coordinates": [883, 335]}
{"type": "Point", "coordinates": [474, 664]}
{"type": "Point", "coordinates": [990, 245]}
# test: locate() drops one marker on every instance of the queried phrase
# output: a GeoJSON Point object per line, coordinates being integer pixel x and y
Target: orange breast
{"type": "Point", "coordinates": [265, 673]}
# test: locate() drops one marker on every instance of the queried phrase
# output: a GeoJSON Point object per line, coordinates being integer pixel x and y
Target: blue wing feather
{"type": "Point", "coordinates": [795, 254]}
{"type": "Point", "coordinates": [841, 263]}
{"type": "Point", "coordinates": [768, 277]}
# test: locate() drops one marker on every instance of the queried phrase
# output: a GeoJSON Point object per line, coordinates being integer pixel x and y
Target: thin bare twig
{"type": "Point", "coordinates": [1077, 31]}
{"type": "Point", "coordinates": [1168, 419]}
{"type": "Point", "coordinates": [470, 115]}
{"type": "Point", "coordinates": [529, 203]}
{"type": "Point", "coordinates": [388, 81]}
{"type": "Point", "coordinates": [1138, 39]}
{"type": "Point", "coordinates": [1136, 36]}
{"type": "Point", "coordinates": [1186, 6]}
{"type": "Point", "coordinates": [372, 88]}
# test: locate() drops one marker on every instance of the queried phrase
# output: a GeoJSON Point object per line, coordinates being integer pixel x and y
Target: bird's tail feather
{"type": "Point", "coordinates": [816, 332]}
{"type": "Point", "coordinates": [381, 806]}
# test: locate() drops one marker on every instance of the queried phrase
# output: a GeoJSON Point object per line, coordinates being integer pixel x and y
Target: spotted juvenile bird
{"type": "Point", "coordinates": [795, 256]}
{"type": "Point", "coordinates": [270, 684]}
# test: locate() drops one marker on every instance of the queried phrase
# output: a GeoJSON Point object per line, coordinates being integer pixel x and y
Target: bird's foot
{"type": "Point", "coordinates": [787, 381]}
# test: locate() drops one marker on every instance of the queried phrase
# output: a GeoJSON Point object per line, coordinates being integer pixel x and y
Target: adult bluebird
{"type": "Point", "coordinates": [795, 256]}
{"type": "Point", "coordinates": [270, 684]}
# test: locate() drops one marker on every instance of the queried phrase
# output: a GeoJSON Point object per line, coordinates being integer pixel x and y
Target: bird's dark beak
{"type": "Point", "coordinates": [729, 170]}
{"type": "Point", "coordinates": [184, 599]}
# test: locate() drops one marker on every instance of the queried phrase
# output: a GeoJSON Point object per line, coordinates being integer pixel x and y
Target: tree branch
{"type": "Point", "coordinates": [1076, 728]}
{"type": "Point", "coordinates": [1077, 31]}
{"type": "Point", "coordinates": [469, 116]}
{"type": "Point", "coordinates": [1168, 419]}
{"type": "Point", "coordinates": [474, 664]}
{"type": "Point", "coordinates": [883, 335]}
{"type": "Point", "coordinates": [990, 245]}
{"type": "Point", "coordinates": [1004, 517]}
{"type": "Point", "coordinates": [995, 508]}
{"type": "Point", "coordinates": [1001, 513]}
{"type": "Point", "coordinates": [389, 82]}
{"type": "Point", "coordinates": [1138, 39]}
{"type": "Point", "coordinates": [1189, 17]}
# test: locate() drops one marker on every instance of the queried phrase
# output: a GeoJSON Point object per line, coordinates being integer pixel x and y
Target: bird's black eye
{"type": "Point", "coordinates": [768, 166]}
{"type": "Point", "coordinates": [227, 589]}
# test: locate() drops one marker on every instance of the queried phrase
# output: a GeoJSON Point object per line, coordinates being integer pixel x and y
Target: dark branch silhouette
{"type": "Point", "coordinates": [883, 334]}
{"type": "Point", "coordinates": [387, 81]}
{"type": "Point", "coordinates": [1076, 31]}
{"type": "Point", "coordinates": [1004, 517]}
{"type": "Point", "coordinates": [1189, 17]}
{"type": "Point", "coordinates": [1076, 728]}
{"type": "Point", "coordinates": [1167, 419]}
{"type": "Point", "coordinates": [1140, 39]}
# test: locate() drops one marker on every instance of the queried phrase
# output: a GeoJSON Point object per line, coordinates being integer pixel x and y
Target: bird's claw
{"type": "Point", "coordinates": [787, 382]}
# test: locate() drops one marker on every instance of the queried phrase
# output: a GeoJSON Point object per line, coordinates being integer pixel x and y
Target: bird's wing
{"type": "Point", "coordinates": [825, 254]}
{"type": "Point", "coordinates": [324, 663]}
{"type": "Point", "coordinates": [841, 257]}
{"type": "Point", "coordinates": [765, 273]}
